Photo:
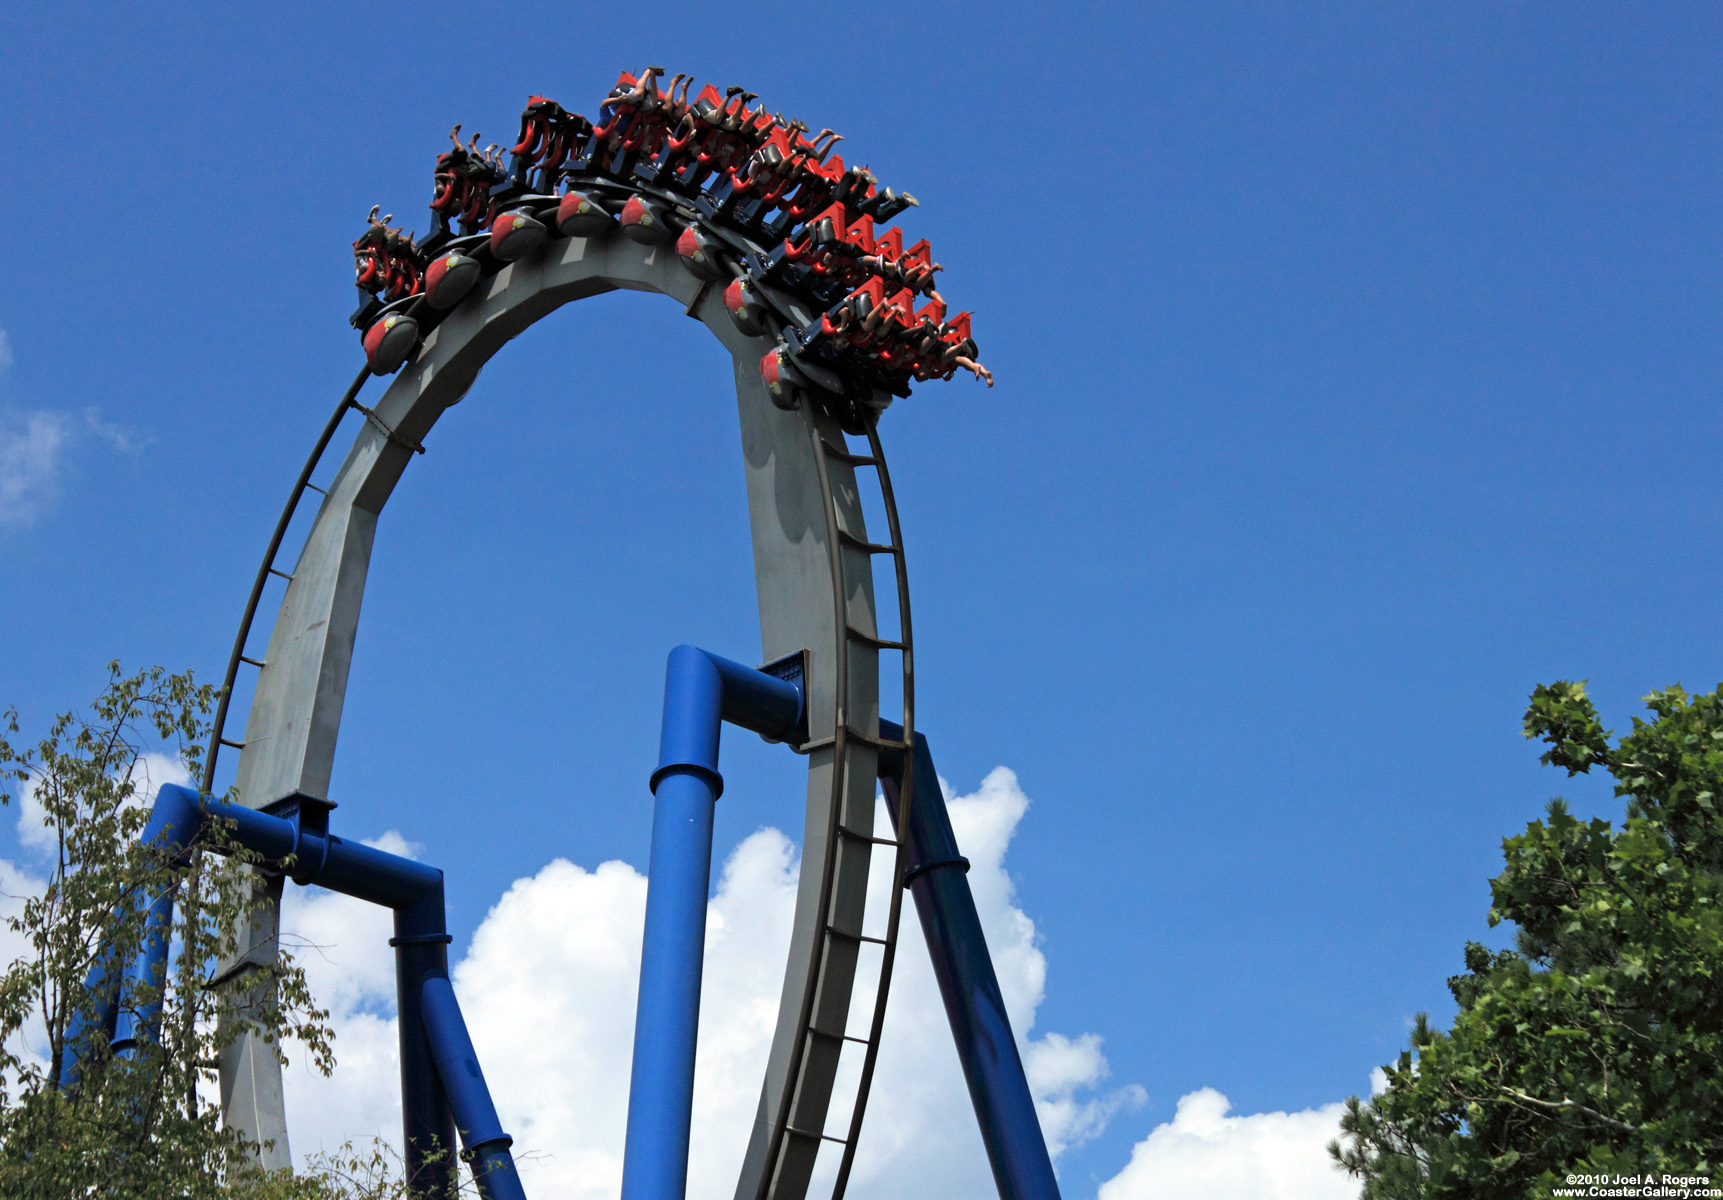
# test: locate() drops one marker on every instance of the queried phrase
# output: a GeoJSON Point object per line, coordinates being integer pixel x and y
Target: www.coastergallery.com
{"type": "Point", "coordinates": [1637, 1185]}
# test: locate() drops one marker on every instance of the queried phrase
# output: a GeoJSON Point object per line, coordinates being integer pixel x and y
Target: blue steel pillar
{"type": "Point", "coordinates": [487, 1146]}
{"type": "Point", "coordinates": [421, 945]}
{"type": "Point", "coordinates": [131, 998]}
{"type": "Point", "coordinates": [1004, 1108]}
{"type": "Point", "coordinates": [441, 1084]}
{"type": "Point", "coordinates": [700, 692]}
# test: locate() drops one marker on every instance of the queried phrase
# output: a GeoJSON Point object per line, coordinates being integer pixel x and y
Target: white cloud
{"type": "Point", "coordinates": [1204, 1154]}
{"type": "Point", "coordinates": [548, 990]}
{"type": "Point", "coordinates": [121, 439]}
{"type": "Point", "coordinates": [30, 448]}
{"type": "Point", "coordinates": [17, 886]}
{"type": "Point", "coordinates": [148, 773]}
{"type": "Point", "coordinates": [33, 449]}
{"type": "Point", "coordinates": [343, 944]}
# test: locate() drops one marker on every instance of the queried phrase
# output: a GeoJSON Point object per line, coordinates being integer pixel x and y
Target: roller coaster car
{"type": "Point", "coordinates": [549, 136]}
{"type": "Point", "coordinates": [886, 204]}
{"type": "Point", "coordinates": [742, 168]}
{"type": "Point", "coordinates": [638, 118]}
{"type": "Point", "coordinates": [821, 235]}
{"type": "Point", "coordinates": [386, 263]}
{"type": "Point", "coordinates": [463, 179]}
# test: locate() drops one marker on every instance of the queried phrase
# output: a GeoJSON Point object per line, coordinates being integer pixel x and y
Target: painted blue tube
{"type": "Point", "coordinates": [1004, 1107]}
{"type": "Point", "coordinates": [271, 836]}
{"type": "Point", "coordinates": [88, 1027]}
{"type": "Point", "coordinates": [755, 700]}
{"type": "Point", "coordinates": [693, 716]}
{"type": "Point", "coordinates": [412, 889]}
{"type": "Point", "coordinates": [355, 869]}
{"type": "Point", "coordinates": [701, 691]}
{"type": "Point", "coordinates": [173, 825]}
{"type": "Point", "coordinates": [415, 891]}
{"type": "Point", "coordinates": [421, 945]}
{"type": "Point", "coordinates": [487, 1146]}
{"type": "Point", "coordinates": [661, 1085]}
{"type": "Point", "coordinates": [138, 1013]}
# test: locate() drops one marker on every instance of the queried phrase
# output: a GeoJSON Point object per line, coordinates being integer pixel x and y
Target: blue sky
{"type": "Point", "coordinates": [1357, 371]}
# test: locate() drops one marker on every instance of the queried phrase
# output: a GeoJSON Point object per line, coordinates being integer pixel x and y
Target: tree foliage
{"type": "Point", "coordinates": [140, 1125]}
{"type": "Point", "coordinates": [1596, 1044]}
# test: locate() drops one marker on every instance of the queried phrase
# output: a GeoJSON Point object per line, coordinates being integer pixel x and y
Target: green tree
{"type": "Point", "coordinates": [133, 1125]}
{"type": "Point", "coordinates": [1596, 1045]}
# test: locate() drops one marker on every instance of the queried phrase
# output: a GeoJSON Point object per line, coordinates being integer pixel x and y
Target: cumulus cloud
{"type": "Point", "coordinates": [16, 886]}
{"type": "Point", "coordinates": [148, 773]}
{"type": "Point", "coordinates": [343, 944]}
{"type": "Point", "coordinates": [1205, 1154]}
{"type": "Point", "coordinates": [548, 989]}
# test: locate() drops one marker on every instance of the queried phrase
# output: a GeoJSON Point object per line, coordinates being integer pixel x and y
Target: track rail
{"type": "Point", "coordinates": [852, 552]}
{"type": "Point", "coordinates": [854, 549]}
{"type": "Point", "coordinates": [218, 728]}
{"type": "Point", "coordinates": [900, 859]}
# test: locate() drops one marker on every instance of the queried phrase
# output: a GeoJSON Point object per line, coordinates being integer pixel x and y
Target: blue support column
{"type": "Point", "coordinates": [487, 1146]}
{"type": "Point", "coordinates": [174, 824]}
{"type": "Point", "coordinates": [124, 997]}
{"type": "Point", "coordinates": [700, 692]}
{"type": "Point", "coordinates": [438, 1067]}
{"type": "Point", "coordinates": [138, 1007]}
{"type": "Point", "coordinates": [421, 945]}
{"type": "Point", "coordinates": [1010, 1129]}
{"type": "Point", "coordinates": [93, 1023]}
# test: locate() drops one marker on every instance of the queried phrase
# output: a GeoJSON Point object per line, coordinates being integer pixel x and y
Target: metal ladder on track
{"type": "Point", "coordinates": [840, 539]}
{"type": "Point", "coordinates": [218, 727]}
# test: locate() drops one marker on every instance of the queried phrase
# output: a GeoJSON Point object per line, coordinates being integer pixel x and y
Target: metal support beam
{"type": "Point", "coordinates": [127, 997]}
{"type": "Point", "coordinates": [701, 691]}
{"type": "Point", "coordinates": [1010, 1129]}
{"type": "Point", "coordinates": [421, 945]}
{"type": "Point", "coordinates": [439, 1070]}
{"type": "Point", "coordinates": [487, 1146]}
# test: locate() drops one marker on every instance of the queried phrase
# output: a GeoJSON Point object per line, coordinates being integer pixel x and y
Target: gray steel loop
{"type": "Point", "coordinates": [815, 593]}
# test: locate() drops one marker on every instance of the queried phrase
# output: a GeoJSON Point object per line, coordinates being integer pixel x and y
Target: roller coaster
{"type": "Point", "coordinates": [764, 235]}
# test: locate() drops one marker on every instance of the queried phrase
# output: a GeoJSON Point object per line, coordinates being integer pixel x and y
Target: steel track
{"type": "Point", "coordinates": [797, 1124]}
